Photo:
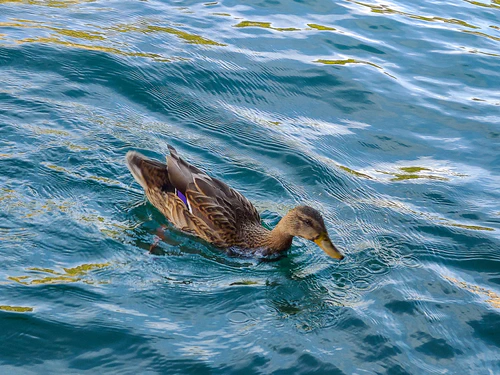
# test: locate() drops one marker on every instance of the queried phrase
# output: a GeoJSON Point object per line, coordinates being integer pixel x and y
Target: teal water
{"type": "Point", "coordinates": [383, 115]}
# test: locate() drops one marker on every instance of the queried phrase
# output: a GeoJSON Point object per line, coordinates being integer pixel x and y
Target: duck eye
{"type": "Point", "coordinates": [308, 222]}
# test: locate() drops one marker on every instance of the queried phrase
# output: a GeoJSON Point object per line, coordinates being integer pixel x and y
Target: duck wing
{"type": "Point", "coordinates": [221, 207]}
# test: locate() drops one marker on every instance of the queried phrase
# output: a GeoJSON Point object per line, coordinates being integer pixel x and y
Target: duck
{"type": "Point", "coordinates": [204, 206]}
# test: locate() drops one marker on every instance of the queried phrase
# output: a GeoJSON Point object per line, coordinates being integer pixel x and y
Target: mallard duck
{"type": "Point", "coordinates": [208, 208]}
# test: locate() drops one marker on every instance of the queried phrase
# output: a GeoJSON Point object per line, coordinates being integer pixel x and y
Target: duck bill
{"type": "Point", "coordinates": [324, 242]}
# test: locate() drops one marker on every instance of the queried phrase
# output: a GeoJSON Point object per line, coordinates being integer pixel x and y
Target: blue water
{"type": "Point", "coordinates": [385, 116]}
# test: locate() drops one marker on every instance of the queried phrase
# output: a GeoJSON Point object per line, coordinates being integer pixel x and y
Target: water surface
{"type": "Point", "coordinates": [382, 115]}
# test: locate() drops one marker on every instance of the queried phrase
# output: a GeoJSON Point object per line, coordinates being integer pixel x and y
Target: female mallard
{"type": "Point", "coordinates": [206, 207]}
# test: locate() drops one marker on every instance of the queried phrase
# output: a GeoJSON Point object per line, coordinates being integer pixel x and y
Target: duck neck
{"type": "Point", "coordinates": [278, 239]}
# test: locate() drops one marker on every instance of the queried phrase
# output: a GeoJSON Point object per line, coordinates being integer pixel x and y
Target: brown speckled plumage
{"type": "Point", "coordinates": [218, 213]}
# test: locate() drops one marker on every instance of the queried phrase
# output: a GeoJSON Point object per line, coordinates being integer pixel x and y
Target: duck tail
{"type": "Point", "coordinates": [147, 172]}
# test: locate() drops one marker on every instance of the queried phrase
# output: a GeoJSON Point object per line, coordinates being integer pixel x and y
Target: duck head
{"type": "Point", "coordinates": [307, 222]}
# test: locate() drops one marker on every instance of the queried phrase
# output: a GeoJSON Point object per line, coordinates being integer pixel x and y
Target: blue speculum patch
{"type": "Point", "coordinates": [182, 196]}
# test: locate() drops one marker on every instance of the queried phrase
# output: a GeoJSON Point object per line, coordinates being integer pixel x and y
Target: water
{"type": "Point", "coordinates": [384, 116]}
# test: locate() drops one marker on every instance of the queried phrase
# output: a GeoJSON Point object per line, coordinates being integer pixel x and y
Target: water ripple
{"type": "Point", "coordinates": [383, 116]}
